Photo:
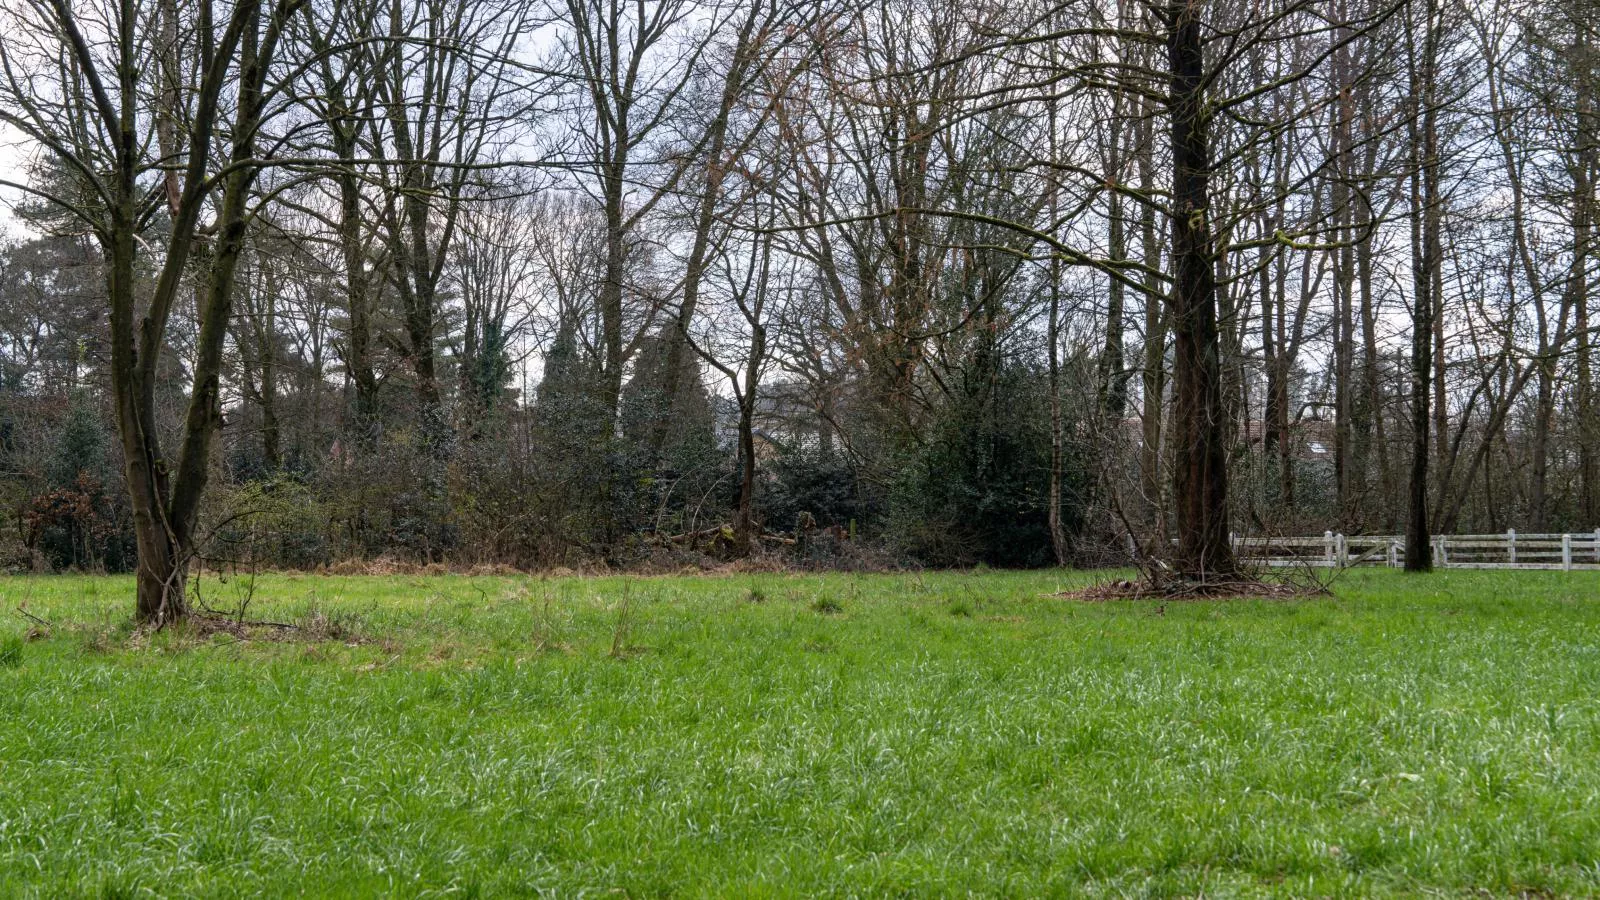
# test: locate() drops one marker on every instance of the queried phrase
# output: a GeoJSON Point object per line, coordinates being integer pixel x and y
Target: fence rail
{"type": "Point", "coordinates": [1562, 552]}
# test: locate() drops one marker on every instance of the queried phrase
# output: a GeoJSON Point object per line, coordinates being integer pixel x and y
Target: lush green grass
{"type": "Point", "coordinates": [768, 735]}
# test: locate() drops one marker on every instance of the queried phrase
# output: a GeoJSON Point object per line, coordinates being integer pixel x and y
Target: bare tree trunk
{"type": "Point", "coordinates": [159, 596]}
{"type": "Point", "coordinates": [1153, 375]}
{"type": "Point", "coordinates": [1200, 475]}
{"type": "Point", "coordinates": [1425, 246]}
{"type": "Point", "coordinates": [612, 287]}
{"type": "Point", "coordinates": [358, 303]}
{"type": "Point", "coordinates": [1058, 534]}
{"type": "Point", "coordinates": [1370, 378]}
{"type": "Point", "coordinates": [1585, 169]}
{"type": "Point", "coordinates": [1588, 422]}
{"type": "Point", "coordinates": [266, 329]}
{"type": "Point", "coordinates": [1112, 384]}
{"type": "Point", "coordinates": [1539, 447]}
{"type": "Point", "coordinates": [342, 94]}
{"type": "Point", "coordinates": [744, 526]}
{"type": "Point", "coordinates": [1272, 438]}
{"type": "Point", "coordinates": [1344, 289]}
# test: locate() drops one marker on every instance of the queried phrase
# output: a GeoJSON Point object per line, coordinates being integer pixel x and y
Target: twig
{"type": "Point", "coordinates": [33, 618]}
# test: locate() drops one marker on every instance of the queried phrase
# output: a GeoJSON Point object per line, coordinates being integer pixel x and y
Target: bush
{"type": "Point", "coordinates": [818, 482]}
{"type": "Point", "coordinates": [979, 490]}
{"type": "Point", "coordinates": [276, 521]}
{"type": "Point", "coordinates": [80, 527]}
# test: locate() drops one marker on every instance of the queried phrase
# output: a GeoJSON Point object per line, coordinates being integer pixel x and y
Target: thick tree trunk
{"type": "Point", "coordinates": [419, 292]}
{"type": "Point", "coordinates": [1425, 246]}
{"type": "Point", "coordinates": [1583, 214]}
{"type": "Point", "coordinates": [744, 519]}
{"type": "Point", "coordinates": [1200, 475]}
{"type": "Point", "coordinates": [745, 529]}
{"type": "Point", "coordinates": [159, 583]}
{"type": "Point", "coordinates": [1418, 538]}
{"type": "Point", "coordinates": [1275, 360]}
{"type": "Point", "coordinates": [1588, 425]}
{"type": "Point", "coordinates": [164, 501]}
{"type": "Point", "coordinates": [744, 515]}
{"type": "Point", "coordinates": [1344, 350]}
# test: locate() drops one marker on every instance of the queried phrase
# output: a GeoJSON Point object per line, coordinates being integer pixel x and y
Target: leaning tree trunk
{"type": "Point", "coordinates": [159, 588]}
{"type": "Point", "coordinates": [1200, 472]}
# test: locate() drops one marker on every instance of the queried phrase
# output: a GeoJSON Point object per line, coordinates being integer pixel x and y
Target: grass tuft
{"type": "Point", "coordinates": [319, 624]}
{"type": "Point", "coordinates": [11, 650]}
{"type": "Point", "coordinates": [827, 606]}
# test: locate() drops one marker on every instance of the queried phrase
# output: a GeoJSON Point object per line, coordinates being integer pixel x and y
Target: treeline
{"type": "Point", "coordinates": [560, 282]}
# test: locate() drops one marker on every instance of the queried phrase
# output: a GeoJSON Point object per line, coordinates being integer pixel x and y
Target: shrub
{"type": "Point", "coordinates": [979, 490]}
{"type": "Point", "coordinates": [818, 482]}
{"type": "Point", "coordinates": [275, 521]}
{"type": "Point", "coordinates": [80, 526]}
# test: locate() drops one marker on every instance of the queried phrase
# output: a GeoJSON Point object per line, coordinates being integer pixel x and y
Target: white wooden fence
{"type": "Point", "coordinates": [1457, 551]}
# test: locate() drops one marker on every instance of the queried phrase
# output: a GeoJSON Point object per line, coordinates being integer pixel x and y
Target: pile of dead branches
{"type": "Point", "coordinates": [1157, 580]}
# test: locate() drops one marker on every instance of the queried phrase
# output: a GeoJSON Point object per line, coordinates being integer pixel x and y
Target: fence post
{"type": "Point", "coordinates": [1441, 555]}
{"type": "Point", "coordinates": [1327, 547]}
{"type": "Point", "coordinates": [1394, 553]}
{"type": "Point", "coordinates": [1341, 550]}
{"type": "Point", "coordinates": [1597, 545]}
{"type": "Point", "coordinates": [1511, 546]}
{"type": "Point", "coordinates": [1566, 552]}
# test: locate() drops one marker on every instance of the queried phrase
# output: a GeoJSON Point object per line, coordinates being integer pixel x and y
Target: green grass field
{"type": "Point", "coordinates": [930, 734]}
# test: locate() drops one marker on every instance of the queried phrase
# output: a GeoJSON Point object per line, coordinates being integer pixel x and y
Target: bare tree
{"type": "Point", "coordinates": [77, 79]}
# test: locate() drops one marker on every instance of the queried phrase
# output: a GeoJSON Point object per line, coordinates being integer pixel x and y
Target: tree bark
{"type": "Point", "coordinates": [1344, 301]}
{"type": "Point", "coordinates": [1153, 375]}
{"type": "Point", "coordinates": [1058, 533]}
{"type": "Point", "coordinates": [1425, 244]}
{"type": "Point", "coordinates": [1200, 473]}
{"type": "Point", "coordinates": [1585, 168]}
{"type": "Point", "coordinates": [744, 526]}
